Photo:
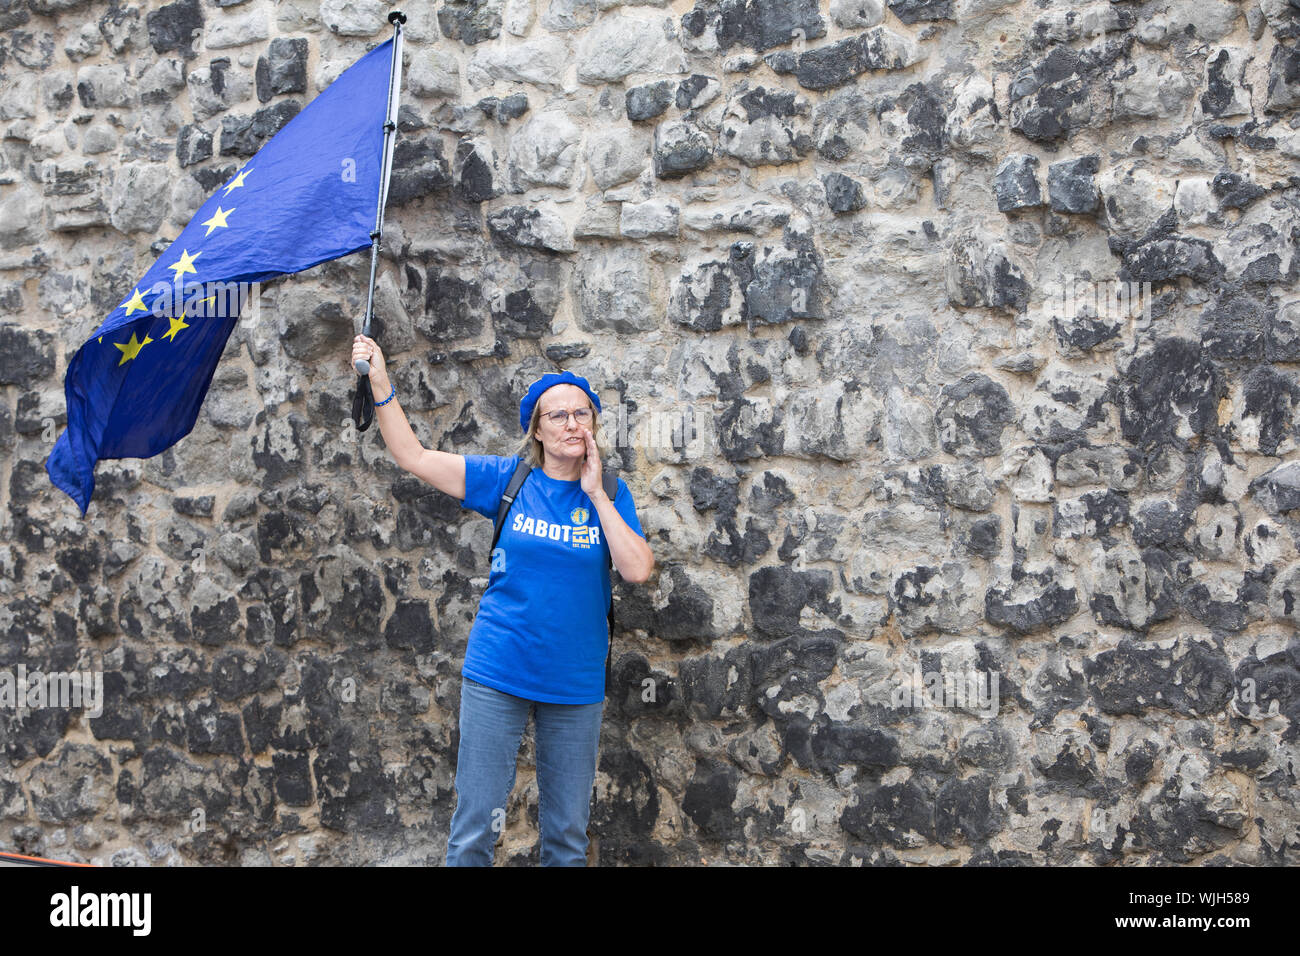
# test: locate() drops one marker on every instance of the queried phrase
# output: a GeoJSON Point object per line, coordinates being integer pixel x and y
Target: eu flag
{"type": "Point", "coordinates": [309, 195]}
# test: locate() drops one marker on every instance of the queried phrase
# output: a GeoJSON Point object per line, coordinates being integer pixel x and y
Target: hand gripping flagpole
{"type": "Point", "coordinates": [363, 400]}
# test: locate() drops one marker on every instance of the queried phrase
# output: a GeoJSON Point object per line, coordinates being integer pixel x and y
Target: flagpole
{"type": "Point", "coordinates": [396, 18]}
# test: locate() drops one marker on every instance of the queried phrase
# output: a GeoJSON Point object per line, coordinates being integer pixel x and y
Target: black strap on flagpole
{"type": "Point", "coordinates": [363, 401]}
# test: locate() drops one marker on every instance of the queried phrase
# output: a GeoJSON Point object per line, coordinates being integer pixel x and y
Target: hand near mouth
{"type": "Point", "coordinates": [591, 470]}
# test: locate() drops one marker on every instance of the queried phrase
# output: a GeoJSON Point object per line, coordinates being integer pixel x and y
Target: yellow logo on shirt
{"type": "Point", "coordinates": [578, 516]}
{"type": "Point", "coordinates": [576, 536]}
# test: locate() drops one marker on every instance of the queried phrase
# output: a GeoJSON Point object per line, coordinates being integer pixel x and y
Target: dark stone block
{"type": "Point", "coordinates": [919, 11]}
{"type": "Point", "coordinates": [1036, 602]}
{"type": "Point", "coordinates": [1016, 183]}
{"type": "Point", "coordinates": [842, 193]}
{"type": "Point", "coordinates": [193, 145]}
{"type": "Point", "coordinates": [780, 289]}
{"type": "Point", "coordinates": [1236, 325]}
{"type": "Point", "coordinates": [26, 356]}
{"type": "Point", "coordinates": [1284, 75]}
{"type": "Point", "coordinates": [1270, 396]}
{"type": "Point", "coordinates": [292, 779]}
{"type": "Point", "coordinates": [740, 442]}
{"type": "Point", "coordinates": [13, 13]}
{"type": "Point", "coordinates": [637, 690]}
{"type": "Point", "coordinates": [626, 812]}
{"type": "Point", "coordinates": [1103, 510]}
{"type": "Point", "coordinates": [1175, 379]}
{"type": "Point", "coordinates": [209, 731]}
{"type": "Point", "coordinates": [237, 673]}
{"type": "Point", "coordinates": [176, 674]}
{"type": "Point", "coordinates": [1182, 823]}
{"type": "Point", "coordinates": [1278, 491]}
{"type": "Point", "coordinates": [984, 538]}
{"type": "Point", "coordinates": [727, 544]}
{"type": "Point", "coordinates": [283, 69]}
{"type": "Point", "coordinates": [650, 100]}
{"type": "Point", "coordinates": [506, 108]}
{"type": "Point", "coordinates": [210, 177]}
{"type": "Point", "coordinates": [679, 149]}
{"type": "Point", "coordinates": [1050, 100]}
{"type": "Point", "coordinates": [456, 307]}
{"type": "Point", "coordinates": [1161, 524]}
{"type": "Point", "coordinates": [419, 169]}
{"type": "Point", "coordinates": [218, 624]}
{"type": "Point", "coordinates": [1220, 85]}
{"type": "Point", "coordinates": [1235, 191]}
{"type": "Point", "coordinates": [757, 24]}
{"type": "Point", "coordinates": [836, 745]}
{"type": "Point", "coordinates": [709, 797]}
{"type": "Point", "coordinates": [778, 594]}
{"type": "Point", "coordinates": [245, 135]}
{"type": "Point", "coordinates": [272, 614]}
{"type": "Point", "coordinates": [1274, 686]}
{"type": "Point", "coordinates": [687, 616]}
{"type": "Point", "coordinates": [81, 563]}
{"type": "Point", "coordinates": [1073, 770]}
{"type": "Point", "coordinates": [964, 812]}
{"type": "Point", "coordinates": [1054, 92]}
{"type": "Point", "coordinates": [770, 495]}
{"type": "Point", "coordinates": [832, 65]}
{"type": "Point", "coordinates": [411, 627]}
{"type": "Point", "coordinates": [1194, 680]}
{"type": "Point", "coordinates": [1072, 186]}
{"type": "Point", "coordinates": [470, 21]}
{"type": "Point", "coordinates": [711, 686]}
{"type": "Point", "coordinates": [269, 455]}
{"type": "Point", "coordinates": [475, 181]}
{"type": "Point", "coordinates": [260, 723]}
{"type": "Point", "coordinates": [1163, 260]}
{"type": "Point", "coordinates": [689, 89]}
{"type": "Point", "coordinates": [972, 414]}
{"type": "Point", "coordinates": [1140, 762]}
{"type": "Point", "coordinates": [517, 225]}
{"type": "Point", "coordinates": [896, 814]}
{"type": "Point", "coordinates": [562, 353]}
{"type": "Point", "coordinates": [704, 313]}
{"type": "Point", "coordinates": [174, 26]}
{"type": "Point", "coordinates": [200, 507]}
{"type": "Point", "coordinates": [522, 317]}
{"type": "Point", "coordinates": [34, 733]}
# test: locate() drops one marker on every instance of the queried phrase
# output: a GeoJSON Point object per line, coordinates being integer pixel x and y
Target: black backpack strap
{"type": "Point", "coordinates": [609, 478]}
{"type": "Point", "coordinates": [521, 472]}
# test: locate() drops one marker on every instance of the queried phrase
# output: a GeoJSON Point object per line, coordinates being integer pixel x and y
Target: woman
{"type": "Point", "coordinates": [540, 635]}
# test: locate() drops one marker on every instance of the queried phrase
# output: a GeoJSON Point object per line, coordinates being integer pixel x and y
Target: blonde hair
{"type": "Point", "coordinates": [531, 449]}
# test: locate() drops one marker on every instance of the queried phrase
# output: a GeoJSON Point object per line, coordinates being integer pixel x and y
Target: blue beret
{"type": "Point", "coordinates": [547, 381]}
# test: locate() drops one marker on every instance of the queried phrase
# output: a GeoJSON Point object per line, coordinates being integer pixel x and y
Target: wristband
{"type": "Point", "coordinates": [388, 399]}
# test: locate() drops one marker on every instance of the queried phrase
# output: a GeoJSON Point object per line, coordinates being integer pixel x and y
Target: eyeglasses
{"type": "Point", "coordinates": [559, 417]}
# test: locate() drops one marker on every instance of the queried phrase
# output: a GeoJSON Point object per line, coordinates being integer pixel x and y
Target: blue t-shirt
{"type": "Point", "coordinates": [541, 631]}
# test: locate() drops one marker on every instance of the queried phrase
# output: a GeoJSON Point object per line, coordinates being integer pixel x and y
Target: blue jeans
{"type": "Point", "coordinates": [491, 726]}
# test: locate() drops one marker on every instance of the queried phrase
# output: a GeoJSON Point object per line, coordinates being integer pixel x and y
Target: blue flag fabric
{"type": "Point", "coordinates": [309, 195]}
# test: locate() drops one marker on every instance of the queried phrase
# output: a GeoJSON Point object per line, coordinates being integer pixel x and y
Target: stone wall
{"type": "Point", "coordinates": [831, 266]}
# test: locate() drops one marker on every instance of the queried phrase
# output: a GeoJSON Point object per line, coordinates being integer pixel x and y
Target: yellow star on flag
{"type": "Point", "coordinates": [184, 264]}
{"type": "Point", "coordinates": [218, 219]}
{"type": "Point", "coordinates": [177, 324]}
{"type": "Point", "coordinates": [238, 180]}
{"type": "Point", "coordinates": [135, 303]}
{"type": "Point", "coordinates": [132, 348]}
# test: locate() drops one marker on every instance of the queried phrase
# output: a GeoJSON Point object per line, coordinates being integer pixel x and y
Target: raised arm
{"type": "Point", "coordinates": [444, 470]}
